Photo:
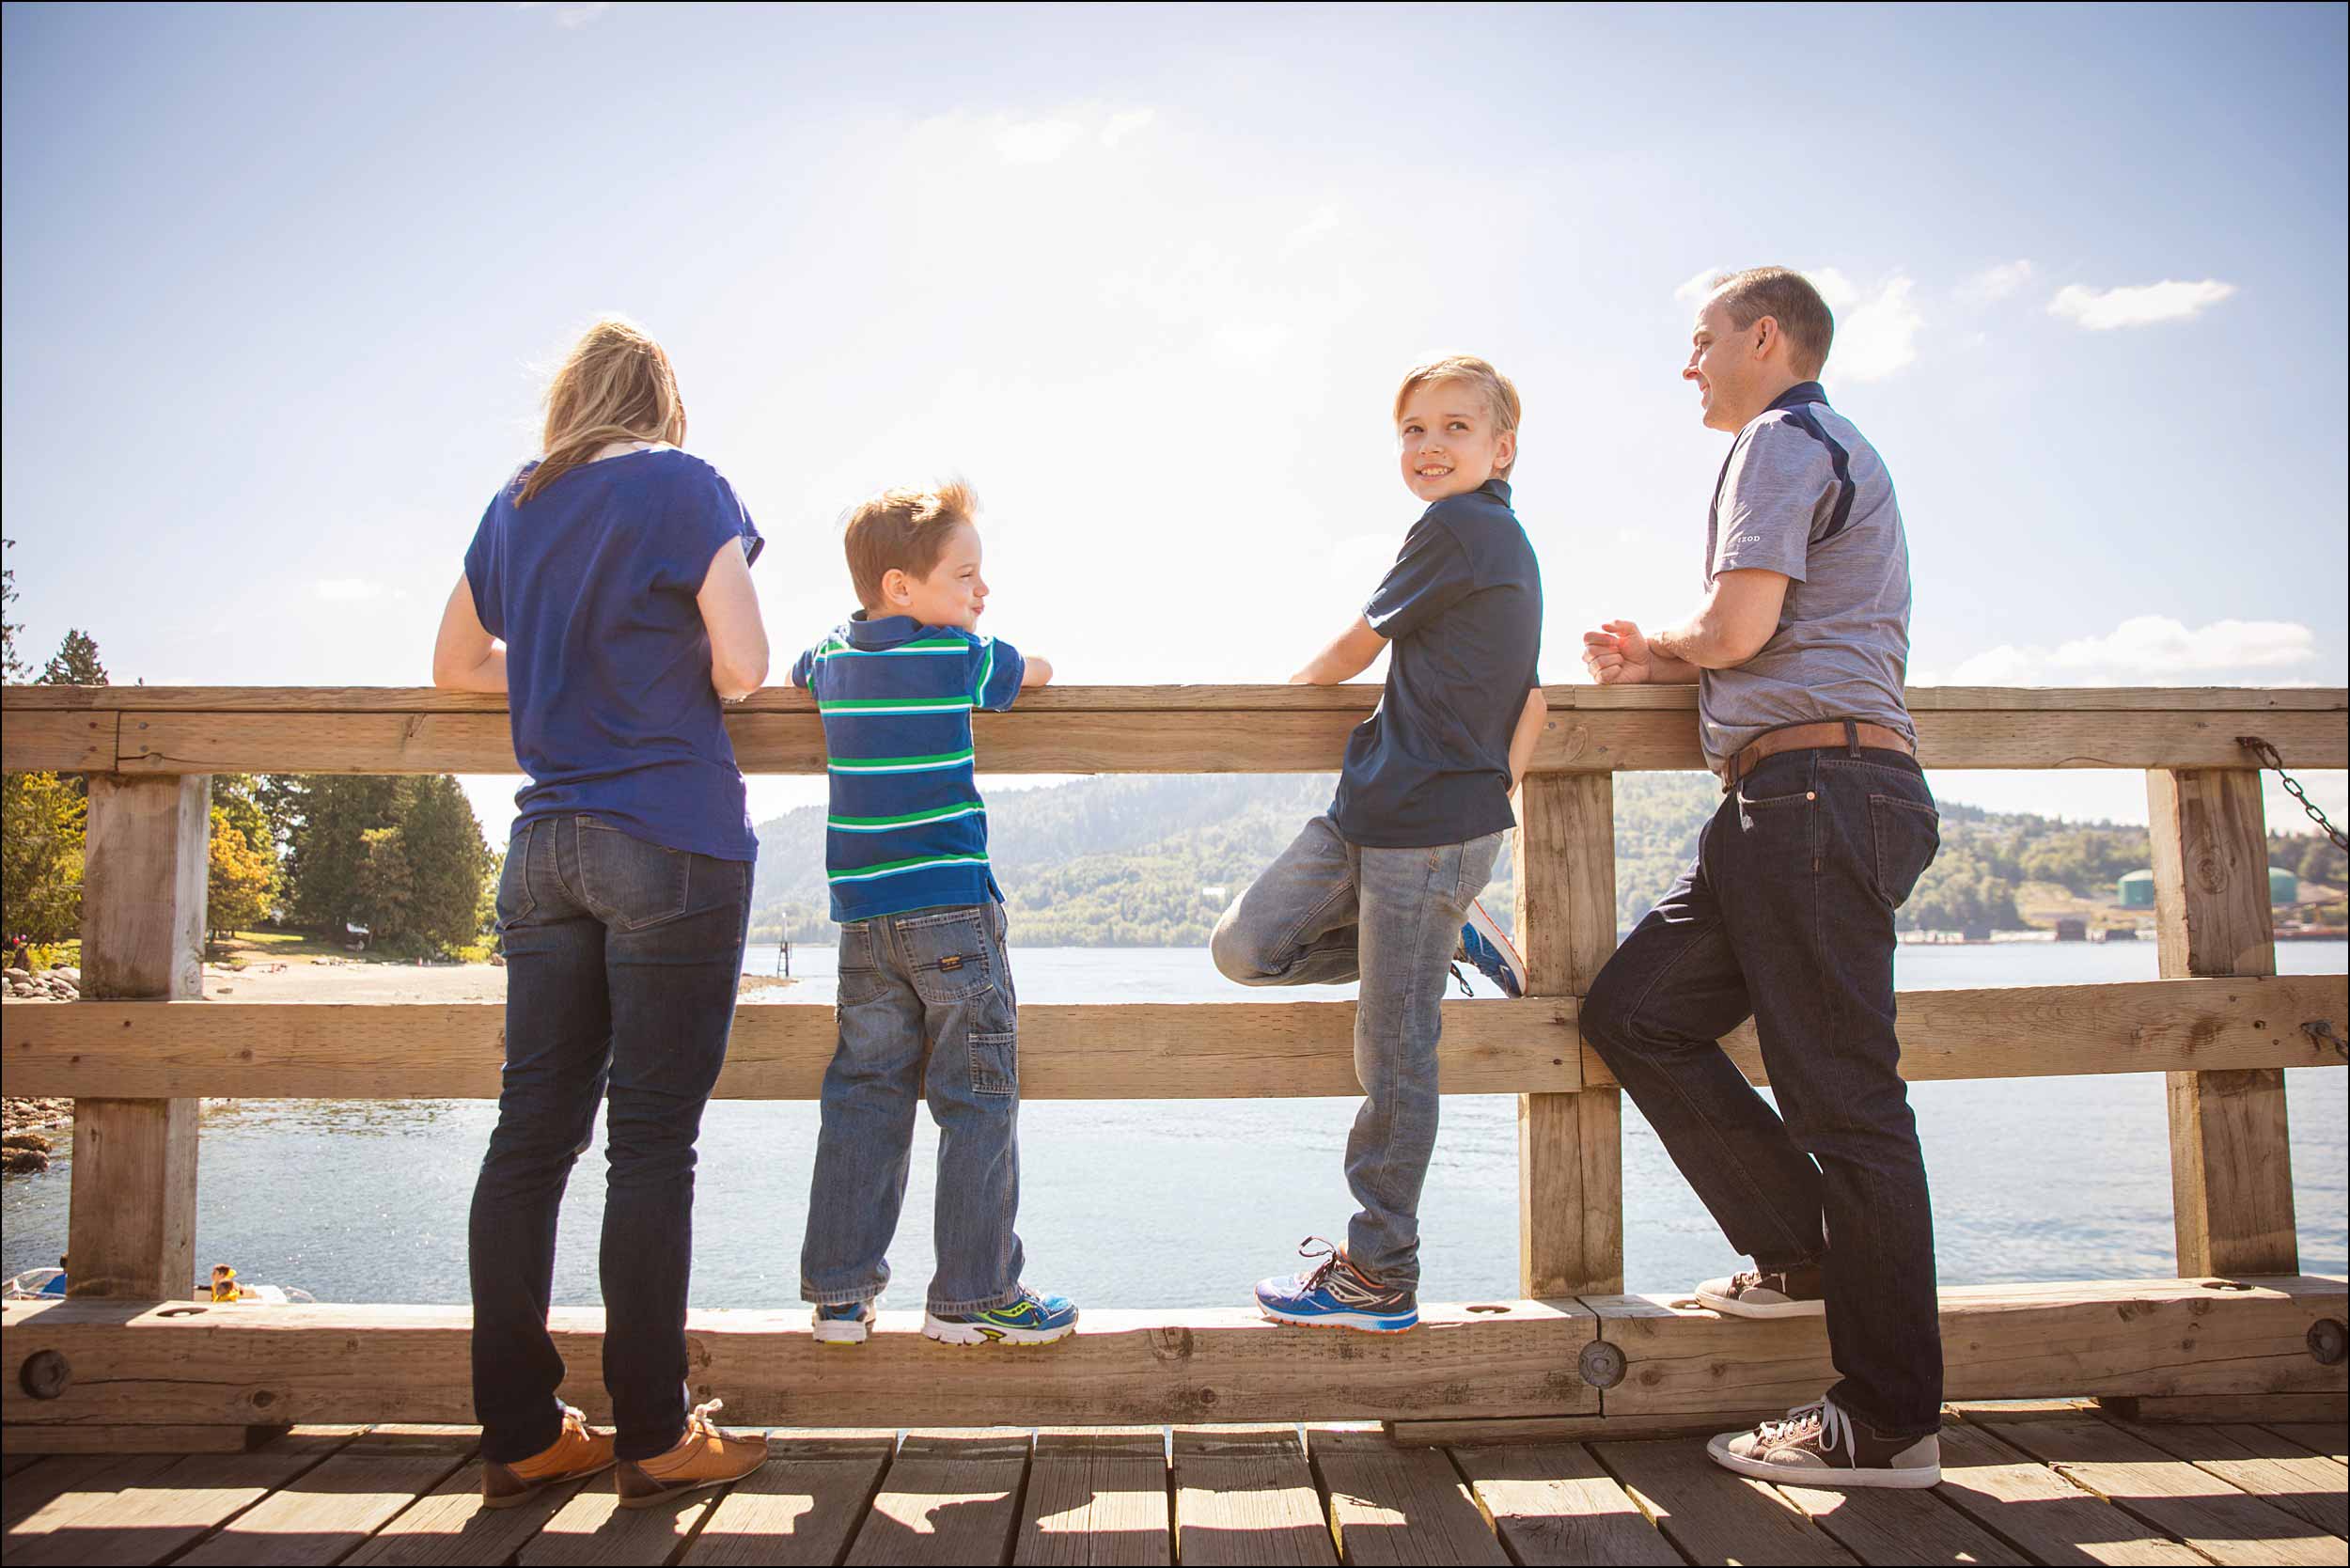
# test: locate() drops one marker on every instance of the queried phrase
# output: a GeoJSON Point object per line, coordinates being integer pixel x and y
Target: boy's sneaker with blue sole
{"type": "Point", "coordinates": [1336, 1294]}
{"type": "Point", "coordinates": [1032, 1319]}
{"type": "Point", "coordinates": [1485, 944]}
{"type": "Point", "coordinates": [846, 1324]}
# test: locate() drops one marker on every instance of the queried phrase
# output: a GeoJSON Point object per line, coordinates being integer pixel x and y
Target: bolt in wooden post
{"type": "Point", "coordinates": [2230, 1164]}
{"type": "Point", "coordinates": [1570, 1146]}
{"type": "Point", "coordinates": [131, 1227]}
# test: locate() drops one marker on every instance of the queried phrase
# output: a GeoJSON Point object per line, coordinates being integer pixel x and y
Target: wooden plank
{"type": "Point", "coordinates": [1397, 1505]}
{"type": "Point", "coordinates": [1552, 1503]}
{"type": "Point", "coordinates": [155, 1517]}
{"type": "Point", "coordinates": [131, 1215]}
{"type": "Point", "coordinates": [1245, 1495]}
{"type": "Point", "coordinates": [1998, 1342]}
{"type": "Point", "coordinates": [1548, 1429]}
{"type": "Point", "coordinates": [2215, 1518]}
{"type": "Point", "coordinates": [800, 1507]}
{"type": "Point", "coordinates": [2032, 1032]}
{"type": "Point", "coordinates": [949, 1497]}
{"type": "Point", "coordinates": [329, 1511]}
{"type": "Point", "coordinates": [2253, 1458]}
{"type": "Point", "coordinates": [58, 742]}
{"type": "Point", "coordinates": [336, 1363]}
{"type": "Point", "coordinates": [1226, 738]}
{"type": "Point", "coordinates": [2330, 1438]}
{"type": "Point", "coordinates": [448, 1527]}
{"type": "Point", "coordinates": [12, 1462]}
{"type": "Point", "coordinates": [35, 1440]}
{"type": "Point", "coordinates": [1359, 697]}
{"type": "Point", "coordinates": [334, 1051]}
{"type": "Point", "coordinates": [2230, 1161]}
{"type": "Point", "coordinates": [341, 1050]}
{"type": "Point", "coordinates": [1710, 1514]}
{"type": "Point", "coordinates": [2266, 1408]}
{"type": "Point", "coordinates": [1570, 1148]}
{"type": "Point", "coordinates": [593, 1531]}
{"type": "Point", "coordinates": [1096, 1498]}
{"type": "Point", "coordinates": [2040, 1513]}
{"type": "Point", "coordinates": [1885, 1528]}
{"type": "Point", "coordinates": [57, 1491]}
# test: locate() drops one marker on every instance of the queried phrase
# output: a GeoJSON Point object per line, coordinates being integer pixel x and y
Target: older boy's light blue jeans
{"type": "Point", "coordinates": [927, 1010]}
{"type": "Point", "coordinates": [1327, 912]}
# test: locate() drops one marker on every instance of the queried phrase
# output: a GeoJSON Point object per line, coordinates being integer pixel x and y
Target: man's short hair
{"type": "Point", "coordinates": [1788, 298]}
{"type": "Point", "coordinates": [903, 530]}
{"type": "Point", "coordinates": [1501, 397]}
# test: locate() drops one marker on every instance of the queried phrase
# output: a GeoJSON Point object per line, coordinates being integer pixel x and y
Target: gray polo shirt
{"type": "Point", "coordinates": [1804, 494]}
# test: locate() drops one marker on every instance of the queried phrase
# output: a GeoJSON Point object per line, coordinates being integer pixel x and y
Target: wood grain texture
{"type": "Point", "coordinates": [1891, 1528]}
{"type": "Point", "coordinates": [2330, 1438]}
{"type": "Point", "coordinates": [57, 1492]}
{"type": "Point", "coordinates": [1391, 1505]}
{"type": "Point", "coordinates": [592, 1531]}
{"type": "Point", "coordinates": [2230, 1162]}
{"type": "Point", "coordinates": [2268, 1409]}
{"type": "Point", "coordinates": [1096, 1498]}
{"type": "Point", "coordinates": [1553, 1503]}
{"type": "Point", "coordinates": [34, 1440]}
{"type": "Point", "coordinates": [156, 1517]}
{"type": "Point", "coordinates": [2043, 1514]}
{"type": "Point", "coordinates": [448, 1527]}
{"type": "Point", "coordinates": [1710, 1514]}
{"type": "Point", "coordinates": [329, 1511]}
{"type": "Point", "coordinates": [950, 1497]}
{"type": "Point", "coordinates": [58, 742]}
{"type": "Point", "coordinates": [801, 1507]}
{"type": "Point", "coordinates": [1246, 1496]}
{"type": "Point", "coordinates": [2224, 1524]}
{"type": "Point", "coordinates": [1998, 1342]}
{"type": "Point", "coordinates": [1570, 1148]}
{"type": "Point", "coordinates": [2254, 1459]}
{"type": "Point", "coordinates": [1547, 1431]}
{"type": "Point", "coordinates": [410, 1363]}
{"type": "Point", "coordinates": [333, 1051]}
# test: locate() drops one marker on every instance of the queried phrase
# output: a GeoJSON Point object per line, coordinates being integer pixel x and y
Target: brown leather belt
{"type": "Point", "coordinates": [1813, 737]}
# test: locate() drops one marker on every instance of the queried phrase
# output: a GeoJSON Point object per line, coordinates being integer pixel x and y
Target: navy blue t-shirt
{"type": "Point", "coordinates": [1462, 610]}
{"type": "Point", "coordinates": [592, 587]}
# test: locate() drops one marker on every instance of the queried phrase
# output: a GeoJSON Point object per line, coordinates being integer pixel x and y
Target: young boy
{"type": "Point", "coordinates": [1383, 887]}
{"type": "Point", "coordinates": [926, 995]}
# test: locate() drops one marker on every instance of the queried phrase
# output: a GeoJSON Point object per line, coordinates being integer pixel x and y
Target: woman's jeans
{"type": "Point", "coordinates": [1787, 917]}
{"type": "Point", "coordinates": [927, 1011]}
{"type": "Point", "coordinates": [622, 960]}
{"type": "Point", "coordinates": [1326, 912]}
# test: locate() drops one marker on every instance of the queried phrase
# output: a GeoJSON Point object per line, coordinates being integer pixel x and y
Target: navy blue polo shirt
{"type": "Point", "coordinates": [1462, 610]}
{"type": "Point", "coordinates": [907, 829]}
{"type": "Point", "coordinates": [592, 584]}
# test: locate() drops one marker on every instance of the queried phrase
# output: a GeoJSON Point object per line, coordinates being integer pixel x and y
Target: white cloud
{"type": "Point", "coordinates": [2101, 310]}
{"type": "Point", "coordinates": [2147, 650]}
{"type": "Point", "coordinates": [346, 590]}
{"type": "Point", "coordinates": [1700, 284]}
{"type": "Point", "coordinates": [1996, 283]}
{"type": "Point", "coordinates": [1036, 141]}
{"type": "Point", "coordinates": [1125, 123]}
{"type": "Point", "coordinates": [1876, 333]}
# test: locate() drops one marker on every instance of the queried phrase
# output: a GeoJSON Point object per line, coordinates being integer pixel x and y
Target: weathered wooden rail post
{"type": "Point", "coordinates": [2230, 1163]}
{"type": "Point", "coordinates": [1570, 1146]}
{"type": "Point", "coordinates": [131, 1226]}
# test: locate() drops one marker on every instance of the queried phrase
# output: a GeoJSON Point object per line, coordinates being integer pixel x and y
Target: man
{"type": "Point", "coordinates": [1787, 914]}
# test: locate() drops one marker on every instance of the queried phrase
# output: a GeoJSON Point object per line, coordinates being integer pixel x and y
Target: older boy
{"type": "Point", "coordinates": [1383, 887]}
{"type": "Point", "coordinates": [926, 997]}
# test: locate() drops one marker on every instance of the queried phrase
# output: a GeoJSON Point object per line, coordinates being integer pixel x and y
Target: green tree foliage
{"type": "Point", "coordinates": [327, 845]}
{"type": "Point", "coordinates": [402, 856]}
{"type": "Point", "coordinates": [75, 663]}
{"type": "Point", "coordinates": [1959, 891]}
{"type": "Point", "coordinates": [43, 821]}
{"type": "Point", "coordinates": [246, 878]}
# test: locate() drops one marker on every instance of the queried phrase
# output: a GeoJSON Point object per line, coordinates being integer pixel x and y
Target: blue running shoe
{"type": "Point", "coordinates": [1335, 1293]}
{"type": "Point", "coordinates": [1485, 944]}
{"type": "Point", "coordinates": [846, 1324]}
{"type": "Point", "coordinates": [1033, 1319]}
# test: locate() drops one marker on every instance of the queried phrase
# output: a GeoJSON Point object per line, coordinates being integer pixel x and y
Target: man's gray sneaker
{"type": "Point", "coordinates": [1796, 1293]}
{"type": "Point", "coordinates": [1822, 1445]}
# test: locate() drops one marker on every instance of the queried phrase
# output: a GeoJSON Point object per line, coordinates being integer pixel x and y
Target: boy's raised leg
{"type": "Point", "coordinates": [1296, 923]}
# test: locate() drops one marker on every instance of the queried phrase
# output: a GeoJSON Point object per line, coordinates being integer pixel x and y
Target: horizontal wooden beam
{"type": "Point", "coordinates": [409, 1050]}
{"type": "Point", "coordinates": [1148, 1051]}
{"type": "Point", "coordinates": [2141, 1336]}
{"type": "Point", "coordinates": [1135, 729]}
{"type": "Point", "coordinates": [2046, 1031]}
{"type": "Point", "coordinates": [241, 1365]}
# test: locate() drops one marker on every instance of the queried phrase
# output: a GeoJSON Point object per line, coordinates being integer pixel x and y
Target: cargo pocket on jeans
{"type": "Point", "coordinates": [995, 1063]}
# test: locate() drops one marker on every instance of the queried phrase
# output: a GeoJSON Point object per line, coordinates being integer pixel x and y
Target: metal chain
{"type": "Point", "coordinates": [2267, 753]}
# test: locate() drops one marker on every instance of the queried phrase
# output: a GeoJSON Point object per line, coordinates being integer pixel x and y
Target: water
{"type": "Point", "coordinates": [1177, 1204]}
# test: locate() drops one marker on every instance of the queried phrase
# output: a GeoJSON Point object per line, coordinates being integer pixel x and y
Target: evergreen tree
{"type": "Point", "coordinates": [401, 856]}
{"type": "Point", "coordinates": [75, 663]}
{"type": "Point", "coordinates": [43, 821]}
{"type": "Point", "coordinates": [326, 847]}
{"type": "Point", "coordinates": [447, 863]}
{"type": "Point", "coordinates": [244, 878]}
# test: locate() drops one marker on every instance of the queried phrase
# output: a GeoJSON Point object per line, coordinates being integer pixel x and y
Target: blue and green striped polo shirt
{"type": "Point", "coordinates": [907, 828]}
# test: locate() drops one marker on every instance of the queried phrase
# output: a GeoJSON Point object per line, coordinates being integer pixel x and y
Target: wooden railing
{"type": "Point", "coordinates": [140, 1052]}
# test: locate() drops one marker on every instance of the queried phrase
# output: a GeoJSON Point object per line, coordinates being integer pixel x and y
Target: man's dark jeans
{"type": "Point", "coordinates": [622, 960]}
{"type": "Point", "coordinates": [1787, 917]}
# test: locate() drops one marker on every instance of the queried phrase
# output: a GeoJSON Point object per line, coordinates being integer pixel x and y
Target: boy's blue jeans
{"type": "Point", "coordinates": [623, 959]}
{"type": "Point", "coordinates": [1326, 912]}
{"type": "Point", "coordinates": [927, 1010]}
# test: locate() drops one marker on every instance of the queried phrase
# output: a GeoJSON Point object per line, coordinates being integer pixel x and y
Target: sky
{"type": "Point", "coordinates": [282, 285]}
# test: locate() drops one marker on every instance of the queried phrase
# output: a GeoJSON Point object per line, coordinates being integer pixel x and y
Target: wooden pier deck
{"type": "Point", "coordinates": [2054, 1482]}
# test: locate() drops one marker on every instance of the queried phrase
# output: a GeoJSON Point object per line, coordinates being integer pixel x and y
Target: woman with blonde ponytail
{"type": "Point", "coordinates": [607, 592]}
